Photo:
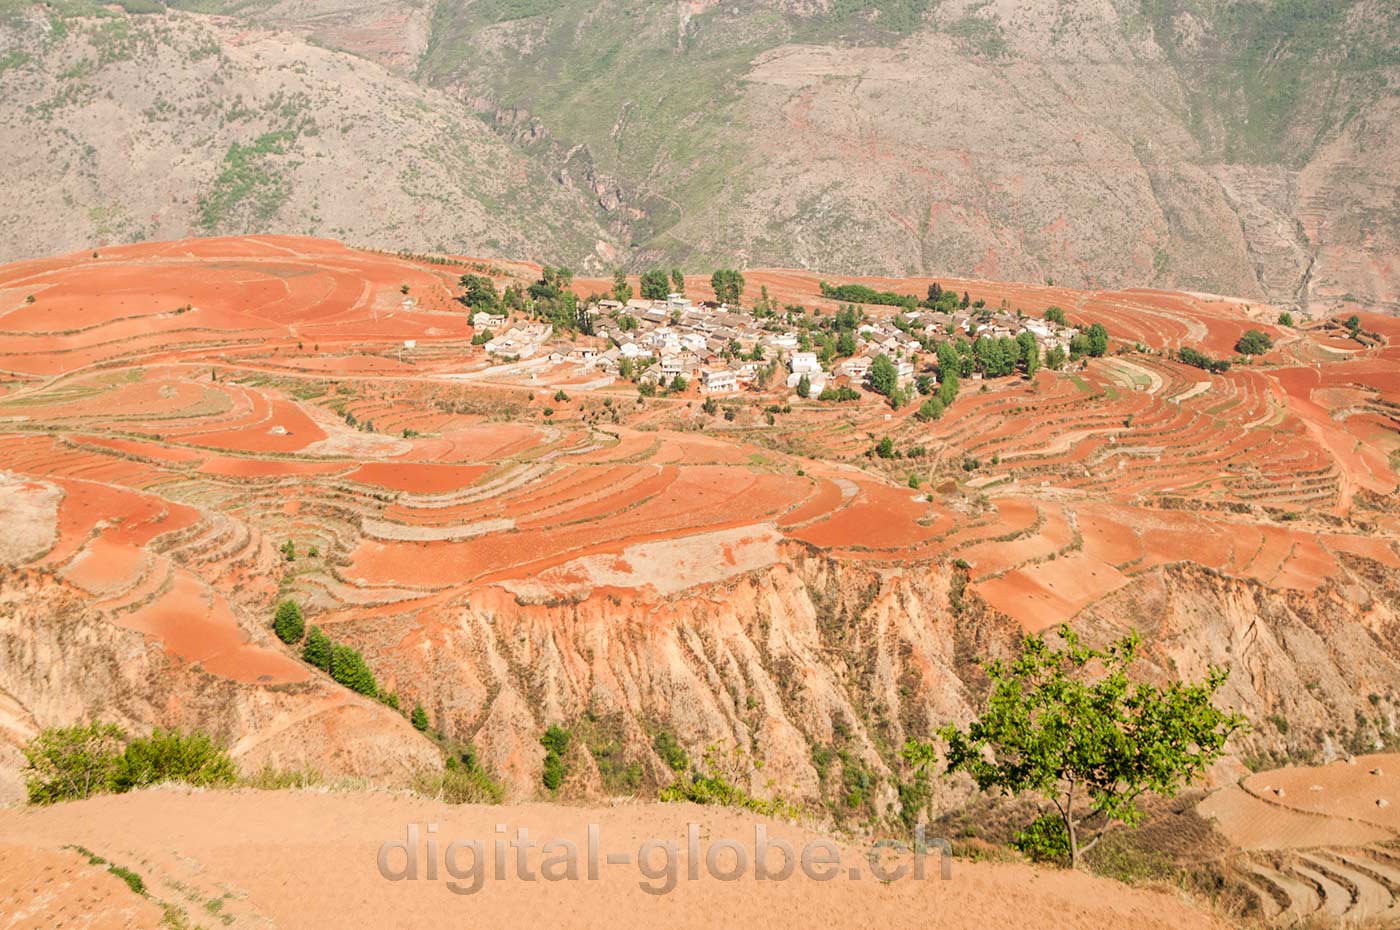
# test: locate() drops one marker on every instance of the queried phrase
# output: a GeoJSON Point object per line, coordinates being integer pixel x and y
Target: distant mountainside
{"type": "Point", "coordinates": [1240, 147]}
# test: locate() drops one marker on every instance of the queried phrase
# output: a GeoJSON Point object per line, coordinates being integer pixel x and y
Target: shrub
{"type": "Point", "coordinates": [930, 409]}
{"type": "Point", "coordinates": [1200, 360]}
{"type": "Point", "coordinates": [317, 650]}
{"type": "Point", "coordinates": [671, 751]}
{"type": "Point", "coordinates": [556, 744]}
{"type": "Point", "coordinates": [885, 448]}
{"type": "Point", "coordinates": [1285, 319]}
{"type": "Point", "coordinates": [169, 755]}
{"type": "Point", "coordinates": [288, 623]}
{"type": "Point", "coordinates": [419, 718]}
{"type": "Point", "coordinates": [133, 881]}
{"type": "Point", "coordinates": [348, 667]}
{"type": "Point", "coordinates": [462, 781]}
{"type": "Point", "coordinates": [71, 763]}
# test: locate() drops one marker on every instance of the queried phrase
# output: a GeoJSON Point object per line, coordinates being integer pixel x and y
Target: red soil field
{"type": "Point", "coordinates": [201, 402]}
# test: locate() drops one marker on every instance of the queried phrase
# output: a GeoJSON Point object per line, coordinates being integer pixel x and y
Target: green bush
{"type": "Point", "coordinates": [555, 741]}
{"type": "Point", "coordinates": [671, 752]}
{"type": "Point", "coordinates": [348, 667]}
{"type": "Point", "coordinates": [169, 755]}
{"type": "Point", "coordinates": [930, 409]}
{"type": "Point", "coordinates": [462, 781]}
{"type": "Point", "coordinates": [317, 650]}
{"type": "Point", "coordinates": [71, 763]}
{"type": "Point", "coordinates": [288, 623]}
{"type": "Point", "coordinates": [133, 881]}
{"type": "Point", "coordinates": [419, 718]}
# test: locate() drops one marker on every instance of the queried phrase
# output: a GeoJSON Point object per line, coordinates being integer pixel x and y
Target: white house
{"type": "Point", "coordinates": [484, 320]}
{"type": "Point", "coordinates": [804, 363]}
{"type": "Point", "coordinates": [856, 367]}
{"type": "Point", "coordinates": [817, 381]}
{"type": "Point", "coordinates": [718, 381]}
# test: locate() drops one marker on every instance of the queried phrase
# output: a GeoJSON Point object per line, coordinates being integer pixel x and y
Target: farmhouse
{"type": "Point", "coordinates": [718, 381]}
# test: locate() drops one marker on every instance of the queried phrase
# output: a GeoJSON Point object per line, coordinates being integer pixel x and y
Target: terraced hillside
{"type": "Point", "coordinates": [512, 546]}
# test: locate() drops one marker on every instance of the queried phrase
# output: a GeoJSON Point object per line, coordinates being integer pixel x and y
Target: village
{"type": "Point", "coordinates": [674, 344]}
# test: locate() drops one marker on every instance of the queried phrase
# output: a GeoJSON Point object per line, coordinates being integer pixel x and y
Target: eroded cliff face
{"type": "Point", "coordinates": [817, 665]}
{"type": "Point", "coordinates": [62, 663]}
{"type": "Point", "coordinates": [807, 677]}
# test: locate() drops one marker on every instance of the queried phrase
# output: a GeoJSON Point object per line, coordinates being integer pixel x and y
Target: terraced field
{"type": "Point", "coordinates": [172, 415]}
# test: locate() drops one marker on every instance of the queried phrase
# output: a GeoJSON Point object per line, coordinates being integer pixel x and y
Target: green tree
{"type": "Point", "coordinates": [419, 718]}
{"type": "Point", "coordinates": [1055, 315]}
{"type": "Point", "coordinates": [1028, 351]}
{"type": "Point", "coordinates": [930, 409]}
{"type": "Point", "coordinates": [804, 386]}
{"type": "Point", "coordinates": [677, 281]}
{"type": "Point", "coordinates": [655, 284]}
{"type": "Point", "coordinates": [846, 343]}
{"type": "Point", "coordinates": [622, 291]}
{"type": "Point", "coordinates": [884, 377]}
{"type": "Point", "coordinates": [1254, 342]}
{"type": "Point", "coordinates": [317, 650]}
{"type": "Point", "coordinates": [287, 623]}
{"type": "Point", "coordinates": [885, 448]}
{"type": "Point", "coordinates": [349, 668]}
{"type": "Point", "coordinates": [479, 292]}
{"type": "Point", "coordinates": [1092, 747]}
{"type": "Point", "coordinates": [1353, 325]}
{"type": "Point", "coordinates": [1098, 340]}
{"type": "Point", "coordinates": [71, 763]}
{"type": "Point", "coordinates": [1285, 319]}
{"type": "Point", "coordinates": [1055, 358]}
{"type": "Point", "coordinates": [728, 286]}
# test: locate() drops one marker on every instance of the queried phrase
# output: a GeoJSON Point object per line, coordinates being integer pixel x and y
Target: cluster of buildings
{"type": "Point", "coordinates": [714, 346]}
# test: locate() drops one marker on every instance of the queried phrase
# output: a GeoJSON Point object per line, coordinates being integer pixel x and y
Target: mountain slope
{"type": "Point", "coordinates": [1243, 148]}
{"type": "Point", "coordinates": [122, 127]}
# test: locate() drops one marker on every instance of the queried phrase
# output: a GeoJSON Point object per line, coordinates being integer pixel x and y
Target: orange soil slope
{"type": "Point", "coordinates": [196, 396]}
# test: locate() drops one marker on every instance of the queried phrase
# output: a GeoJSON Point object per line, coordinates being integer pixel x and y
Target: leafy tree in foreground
{"type": "Point", "coordinates": [1092, 747]}
{"type": "Point", "coordinates": [419, 718]}
{"type": "Point", "coordinates": [287, 623]}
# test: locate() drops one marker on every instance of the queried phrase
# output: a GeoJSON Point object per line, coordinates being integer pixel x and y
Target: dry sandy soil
{"type": "Point", "coordinates": [307, 860]}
